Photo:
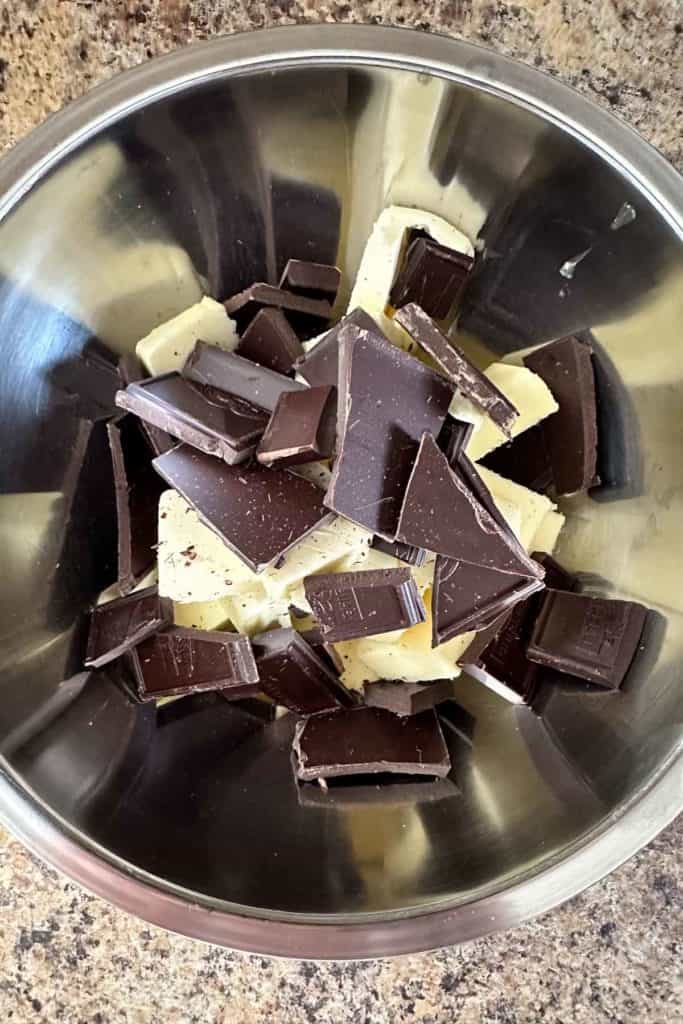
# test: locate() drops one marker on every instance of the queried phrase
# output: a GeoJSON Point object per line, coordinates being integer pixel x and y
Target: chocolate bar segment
{"type": "Point", "coordinates": [183, 660]}
{"type": "Point", "coordinates": [433, 276]}
{"type": "Point", "coordinates": [499, 651]}
{"type": "Point", "coordinates": [404, 552]}
{"type": "Point", "coordinates": [571, 434]}
{"type": "Point", "coordinates": [467, 378]}
{"type": "Point", "coordinates": [301, 429]}
{"type": "Point", "coordinates": [271, 341]}
{"type": "Point", "coordinates": [365, 740]}
{"type": "Point", "coordinates": [355, 604]}
{"type": "Point", "coordinates": [217, 423]}
{"type": "Point", "coordinates": [321, 364]}
{"type": "Point", "coordinates": [407, 698]}
{"type": "Point", "coordinates": [137, 489]}
{"type": "Point", "coordinates": [294, 676]}
{"type": "Point", "coordinates": [591, 637]}
{"type": "Point", "coordinates": [314, 280]}
{"type": "Point", "coordinates": [131, 371]}
{"type": "Point", "coordinates": [524, 460]}
{"type": "Point", "coordinates": [387, 400]}
{"type": "Point", "coordinates": [260, 513]}
{"type": "Point", "coordinates": [442, 513]}
{"type": "Point", "coordinates": [117, 626]}
{"type": "Point", "coordinates": [216, 368]}
{"type": "Point", "coordinates": [307, 316]}
{"type": "Point", "coordinates": [467, 596]}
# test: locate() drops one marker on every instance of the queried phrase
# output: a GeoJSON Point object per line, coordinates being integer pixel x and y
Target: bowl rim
{"type": "Point", "coordinates": [647, 811]}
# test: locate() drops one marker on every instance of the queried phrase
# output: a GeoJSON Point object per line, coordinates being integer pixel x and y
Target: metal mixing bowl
{"type": "Point", "coordinates": [218, 162]}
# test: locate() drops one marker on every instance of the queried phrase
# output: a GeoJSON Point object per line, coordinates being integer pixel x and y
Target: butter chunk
{"type": "Point", "coordinates": [194, 563]}
{"type": "Point", "coordinates": [167, 347]}
{"type": "Point", "coordinates": [254, 611]}
{"type": "Point", "coordinates": [382, 256]}
{"type": "Point", "coordinates": [356, 672]}
{"type": "Point", "coordinates": [202, 614]}
{"type": "Point", "coordinates": [531, 508]}
{"type": "Point", "coordinates": [546, 536]}
{"type": "Point", "coordinates": [530, 395]}
{"type": "Point", "coordinates": [317, 551]}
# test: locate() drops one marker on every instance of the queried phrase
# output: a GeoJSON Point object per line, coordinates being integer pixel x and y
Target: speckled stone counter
{"type": "Point", "coordinates": [611, 955]}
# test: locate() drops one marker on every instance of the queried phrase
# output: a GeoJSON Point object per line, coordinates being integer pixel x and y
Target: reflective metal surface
{"type": "Point", "coordinates": [206, 170]}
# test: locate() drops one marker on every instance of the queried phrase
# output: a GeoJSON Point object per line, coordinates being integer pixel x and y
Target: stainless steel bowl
{"type": "Point", "coordinates": [207, 169]}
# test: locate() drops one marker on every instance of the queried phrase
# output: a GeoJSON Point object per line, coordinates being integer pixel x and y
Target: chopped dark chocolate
{"type": "Point", "coordinates": [571, 434]}
{"type": "Point", "coordinates": [182, 660]}
{"type": "Point", "coordinates": [88, 381]}
{"type": "Point", "coordinates": [271, 341]}
{"type": "Point", "coordinates": [453, 438]}
{"type": "Point", "coordinates": [301, 429]}
{"type": "Point", "coordinates": [137, 488]}
{"type": "Point", "coordinates": [499, 651]}
{"type": "Point", "coordinates": [594, 638]}
{"type": "Point", "coordinates": [118, 625]}
{"type": "Point", "coordinates": [131, 371]}
{"type": "Point", "coordinates": [524, 460]}
{"type": "Point", "coordinates": [211, 420]}
{"type": "Point", "coordinates": [363, 740]}
{"type": "Point", "coordinates": [466, 377]}
{"type": "Point", "coordinates": [355, 604]}
{"type": "Point", "coordinates": [307, 316]}
{"type": "Point", "coordinates": [387, 400]}
{"type": "Point", "coordinates": [294, 676]}
{"type": "Point", "coordinates": [404, 552]}
{"type": "Point", "coordinates": [321, 364]}
{"type": "Point", "coordinates": [315, 280]}
{"type": "Point", "coordinates": [213, 366]}
{"type": "Point", "coordinates": [467, 596]}
{"type": "Point", "coordinates": [407, 698]}
{"type": "Point", "coordinates": [433, 276]}
{"type": "Point", "coordinates": [442, 513]}
{"type": "Point", "coordinates": [260, 513]}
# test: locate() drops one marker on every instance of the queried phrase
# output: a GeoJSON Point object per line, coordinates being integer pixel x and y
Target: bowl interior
{"type": "Point", "coordinates": [209, 190]}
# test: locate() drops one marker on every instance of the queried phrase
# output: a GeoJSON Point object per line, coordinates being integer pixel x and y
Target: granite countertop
{"type": "Point", "coordinates": [610, 955]}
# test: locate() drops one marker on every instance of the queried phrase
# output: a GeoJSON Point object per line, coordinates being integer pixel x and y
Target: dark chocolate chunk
{"type": "Point", "coordinates": [211, 420]}
{"type": "Point", "coordinates": [315, 280]}
{"type": "Point", "coordinates": [271, 341]}
{"type": "Point", "coordinates": [117, 626]}
{"type": "Point", "coordinates": [442, 513]}
{"type": "Point", "coordinates": [467, 596]}
{"type": "Point", "coordinates": [571, 434]}
{"type": "Point", "coordinates": [131, 371]}
{"type": "Point", "coordinates": [138, 489]}
{"type": "Point", "coordinates": [182, 660]}
{"type": "Point", "coordinates": [524, 460]}
{"type": "Point", "coordinates": [467, 378]}
{"type": "Point", "coordinates": [365, 740]}
{"type": "Point", "coordinates": [307, 316]}
{"type": "Point", "coordinates": [453, 438]}
{"type": "Point", "coordinates": [407, 698]}
{"type": "Point", "coordinates": [321, 364]}
{"type": "Point", "coordinates": [387, 400]}
{"type": "Point", "coordinates": [260, 513]}
{"type": "Point", "coordinates": [354, 604]}
{"type": "Point", "coordinates": [404, 552]}
{"type": "Point", "coordinates": [301, 429]}
{"type": "Point", "coordinates": [212, 366]}
{"type": "Point", "coordinates": [591, 637]}
{"type": "Point", "coordinates": [433, 276]}
{"type": "Point", "coordinates": [87, 382]}
{"type": "Point", "coordinates": [294, 676]}
{"type": "Point", "coordinates": [498, 652]}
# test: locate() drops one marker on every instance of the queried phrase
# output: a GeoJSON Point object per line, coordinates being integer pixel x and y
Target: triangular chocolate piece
{"type": "Point", "coordinates": [442, 513]}
{"type": "Point", "coordinates": [467, 596]}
